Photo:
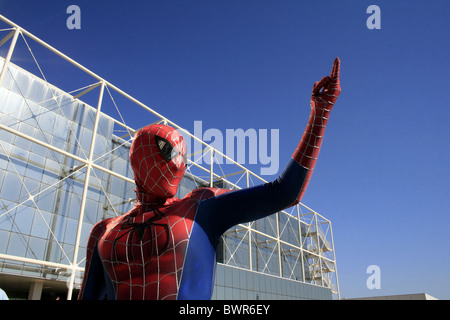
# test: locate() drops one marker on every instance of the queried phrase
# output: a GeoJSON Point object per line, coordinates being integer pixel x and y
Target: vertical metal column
{"type": "Point", "coordinates": [250, 262]}
{"type": "Point", "coordinates": [334, 262]}
{"type": "Point", "coordinates": [278, 244]}
{"type": "Point", "coordinates": [319, 249]}
{"type": "Point", "coordinates": [85, 190]}
{"type": "Point", "coordinates": [211, 172]}
{"type": "Point", "coordinates": [300, 239]}
{"type": "Point", "coordinates": [35, 290]}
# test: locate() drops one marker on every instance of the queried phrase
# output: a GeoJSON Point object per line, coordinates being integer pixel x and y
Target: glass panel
{"type": "Point", "coordinates": [291, 262]}
{"type": "Point", "coordinates": [267, 225]}
{"type": "Point", "coordinates": [11, 187]}
{"type": "Point", "coordinates": [37, 92]}
{"type": "Point", "coordinates": [21, 84]}
{"type": "Point", "coordinates": [36, 248]}
{"type": "Point", "coordinates": [289, 229]}
{"type": "Point", "coordinates": [265, 254]}
{"type": "Point", "coordinates": [13, 105]}
{"type": "Point", "coordinates": [17, 245]}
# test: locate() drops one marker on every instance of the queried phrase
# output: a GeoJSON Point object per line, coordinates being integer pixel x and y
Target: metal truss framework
{"type": "Point", "coordinates": [296, 244]}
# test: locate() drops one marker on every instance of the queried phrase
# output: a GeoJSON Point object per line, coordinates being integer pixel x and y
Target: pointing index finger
{"type": "Point", "coordinates": [336, 68]}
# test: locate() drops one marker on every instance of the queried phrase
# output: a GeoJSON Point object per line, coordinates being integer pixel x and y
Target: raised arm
{"type": "Point", "coordinates": [224, 211]}
{"type": "Point", "coordinates": [324, 95]}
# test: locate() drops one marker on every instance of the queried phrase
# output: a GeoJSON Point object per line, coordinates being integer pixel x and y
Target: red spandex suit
{"type": "Point", "coordinates": [165, 247]}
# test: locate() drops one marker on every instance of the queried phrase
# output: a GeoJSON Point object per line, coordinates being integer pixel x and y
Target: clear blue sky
{"type": "Point", "coordinates": [383, 173]}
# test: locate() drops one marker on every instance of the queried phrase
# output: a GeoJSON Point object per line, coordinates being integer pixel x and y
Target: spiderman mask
{"type": "Point", "coordinates": [158, 161]}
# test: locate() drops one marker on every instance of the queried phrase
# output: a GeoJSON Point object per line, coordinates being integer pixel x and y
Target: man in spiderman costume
{"type": "Point", "coordinates": [165, 247]}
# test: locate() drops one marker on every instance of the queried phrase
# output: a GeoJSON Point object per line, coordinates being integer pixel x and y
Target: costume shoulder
{"type": "Point", "coordinates": [99, 228]}
{"type": "Point", "coordinates": [205, 193]}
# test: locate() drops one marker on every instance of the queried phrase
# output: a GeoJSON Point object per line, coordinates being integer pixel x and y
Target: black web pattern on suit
{"type": "Point", "coordinates": [140, 228]}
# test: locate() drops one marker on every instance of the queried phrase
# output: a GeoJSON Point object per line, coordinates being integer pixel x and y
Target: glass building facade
{"type": "Point", "coordinates": [64, 166]}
